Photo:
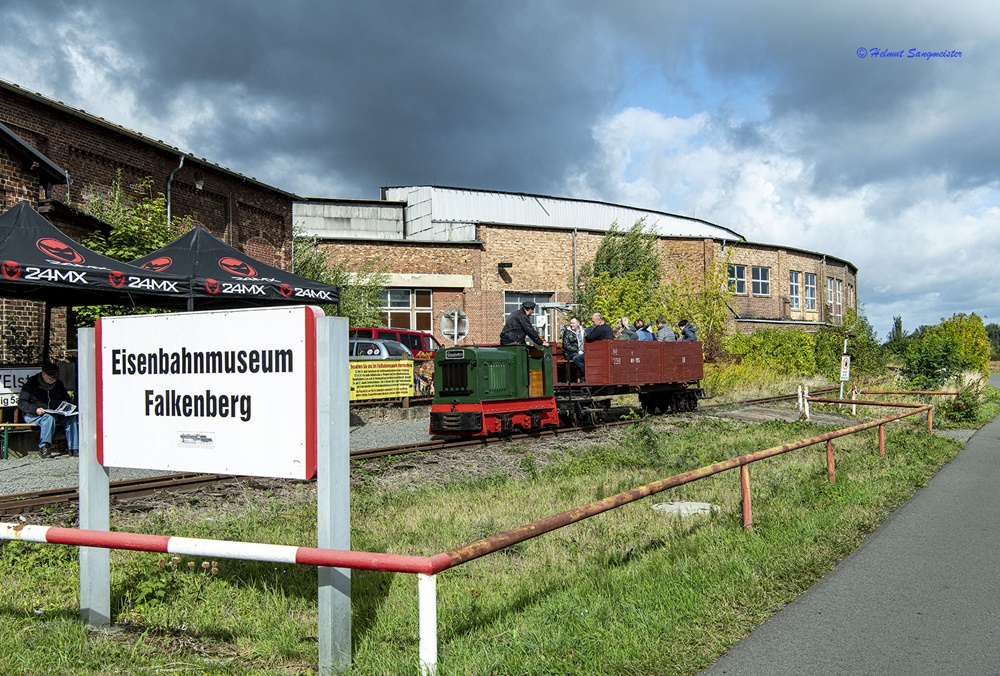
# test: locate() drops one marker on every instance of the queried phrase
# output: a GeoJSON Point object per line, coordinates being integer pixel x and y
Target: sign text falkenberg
{"type": "Point", "coordinates": [171, 404]}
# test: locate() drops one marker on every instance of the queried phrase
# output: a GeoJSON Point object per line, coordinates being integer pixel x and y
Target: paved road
{"type": "Point", "coordinates": [920, 596]}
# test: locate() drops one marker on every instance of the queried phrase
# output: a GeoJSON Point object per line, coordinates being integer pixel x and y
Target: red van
{"type": "Point", "coordinates": [421, 343]}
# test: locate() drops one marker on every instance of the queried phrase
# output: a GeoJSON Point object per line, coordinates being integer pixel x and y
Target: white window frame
{"type": "Point", "coordinates": [793, 290]}
{"type": "Point", "coordinates": [760, 280]}
{"type": "Point", "coordinates": [738, 279]}
{"type": "Point", "coordinates": [398, 302]}
{"type": "Point", "coordinates": [839, 306]}
{"type": "Point", "coordinates": [810, 291]}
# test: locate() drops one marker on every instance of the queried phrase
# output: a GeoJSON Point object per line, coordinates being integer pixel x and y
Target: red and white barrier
{"type": "Point", "coordinates": [225, 549]}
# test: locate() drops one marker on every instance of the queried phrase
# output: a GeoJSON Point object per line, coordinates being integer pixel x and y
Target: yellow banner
{"type": "Point", "coordinates": [381, 379]}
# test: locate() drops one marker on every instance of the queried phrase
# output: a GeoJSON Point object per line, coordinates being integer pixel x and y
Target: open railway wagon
{"type": "Point", "coordinates": [488, 390]}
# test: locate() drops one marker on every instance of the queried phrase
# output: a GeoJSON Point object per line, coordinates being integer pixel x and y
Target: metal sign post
{"type": "Point", "coordinates": [333, 490]}
{"type": "Point", "coordinates": [95, 564]}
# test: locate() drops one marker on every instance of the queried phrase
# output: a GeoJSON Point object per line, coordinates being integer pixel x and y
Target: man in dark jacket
{"type": "Point", "coordinates": [518, 327]}
{"type": "Point", "coordinates": [44, 392]}
{"type": "Point", "coordinates": [599, 330]}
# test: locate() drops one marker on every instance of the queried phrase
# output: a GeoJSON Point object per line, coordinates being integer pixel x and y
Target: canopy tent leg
{"type": "Point", "coordinates": [45, 332]}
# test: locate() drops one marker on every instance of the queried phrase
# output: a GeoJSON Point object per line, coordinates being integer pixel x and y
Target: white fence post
{"type": "Point", "coordinates": [806, 399]}
{"type": "Point", "coordinates": [854, 396]}
{"type": "Point", "coordinates": [427, 604]}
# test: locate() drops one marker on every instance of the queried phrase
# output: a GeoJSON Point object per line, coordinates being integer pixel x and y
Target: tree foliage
{"type": "Point", "coordinates": [138, 220]}
{"type": "Point", "coordinates": [705, 301]}
{"type": "Point", "coordinates": [361, 288]}
{"type": "Point", "coordinates": [867, 354]}
{"type": "Point", "coordinates": [896, 341]}
{"type": "Point", "coordinates": [634, 250]}
{"type": "Point", "coordinates": [993, 333]}
{"type": "Point", "coordinates": [943, 352]}
{"type": "Point", "coordinates": [625, 279]}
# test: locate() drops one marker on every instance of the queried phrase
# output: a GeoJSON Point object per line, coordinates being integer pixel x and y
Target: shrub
{"type": "Point", "coordinates": [786, 351]}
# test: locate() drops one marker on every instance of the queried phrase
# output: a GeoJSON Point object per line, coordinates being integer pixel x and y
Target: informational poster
{"type": "Point", "coordinates": [229, 392]}
{"type": "Point", "coordinates": [381, 379]}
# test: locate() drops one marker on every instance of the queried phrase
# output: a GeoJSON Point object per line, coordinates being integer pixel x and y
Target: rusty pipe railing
{"type": "Point", "coordinates": [479, 548]}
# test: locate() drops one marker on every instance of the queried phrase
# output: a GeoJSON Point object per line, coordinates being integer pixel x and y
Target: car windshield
{"type": "Point", "coordinates": [396, 349]}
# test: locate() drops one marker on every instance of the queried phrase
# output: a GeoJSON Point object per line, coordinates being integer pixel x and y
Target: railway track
{"type": "Point", "coordinates": [35, 501]}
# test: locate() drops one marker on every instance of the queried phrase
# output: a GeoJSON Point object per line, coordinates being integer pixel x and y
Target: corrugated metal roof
{"type": "Point", "coordinates": [429, 205]}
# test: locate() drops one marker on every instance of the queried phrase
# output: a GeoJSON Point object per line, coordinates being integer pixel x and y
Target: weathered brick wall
{"type": "Point", "coordinates": [24, 320]}
{"type": "Point", "coordinates": [780, 262]}
{"type": "Point", "coordinates": [407, 258]}
{"type": "Point", "coordinates": [230, 207]}
{"type": "Point", "coordinates": [249, 216]}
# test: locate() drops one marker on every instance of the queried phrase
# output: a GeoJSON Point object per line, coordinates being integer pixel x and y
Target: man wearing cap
{"type": "Point", "coordinates": [518, 327]}
{"type": "Point", "coordinates": [44, 392]}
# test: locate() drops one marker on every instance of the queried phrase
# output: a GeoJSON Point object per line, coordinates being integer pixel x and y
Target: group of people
{"type": "Point", "coordinates": [640, 330]}
{"type": "Point", "coordinates": [575, 337]}
{"type": "Point", "coordinates": [518, 328]}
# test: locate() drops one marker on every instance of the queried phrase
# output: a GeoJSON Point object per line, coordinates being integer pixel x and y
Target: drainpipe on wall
{"type": "Point", "coordinates": [575, 282]}
{"type": "Point", "coordinates": [170, 180]}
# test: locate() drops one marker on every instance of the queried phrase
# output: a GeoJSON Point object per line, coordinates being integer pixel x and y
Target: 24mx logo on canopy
{"type": "Point", "coordinates": [237, 267]}
{"type": "Point", "coordinates": [158, 264]}
{"type": "Point", "coordinates": [59, 250]}
{"type": "Point", "coordinates": [11, 269]}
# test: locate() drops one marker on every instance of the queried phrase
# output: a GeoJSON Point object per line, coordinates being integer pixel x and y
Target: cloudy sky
{"type": "Point", "coordinates": [805, 124]}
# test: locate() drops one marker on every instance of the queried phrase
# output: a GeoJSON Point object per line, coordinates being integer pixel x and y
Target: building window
{"type": "Point", "coordinates": [408, 309]}
{"type": "Point", "coordinates": [793, 289]}
{"type": "Point", "coordinates": [850, 297]}
{"type": "Point", "coordinates": [539, 318]}
{"type": "Point", "coordinates": [838, 311]}
{"type": "Point", "coordinates": [810, 291]}
{"type": "Point", "coordinates": [830, 286]}
{"type": "Point", "coordinates": [760, 281]}
{"type": "Point", "coordinates": [738, 279]}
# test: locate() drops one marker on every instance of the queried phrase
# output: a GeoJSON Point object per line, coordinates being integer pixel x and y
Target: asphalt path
{"type": "Point", "coordinates": [920, 596]}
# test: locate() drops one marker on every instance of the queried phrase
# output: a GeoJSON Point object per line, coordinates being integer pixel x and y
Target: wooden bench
{"type": "Point", "coordinates": [17, 427]}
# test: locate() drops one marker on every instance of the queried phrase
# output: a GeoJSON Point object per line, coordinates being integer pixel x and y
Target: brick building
{"type": "Point", "coordinates": [55, 156]}
{"type": "Point", "coordinates": [450, 248]}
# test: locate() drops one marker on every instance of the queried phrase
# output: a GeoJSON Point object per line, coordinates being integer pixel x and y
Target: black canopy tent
{"type": "Point", "coordinates": [41, 263]}
{"type": "Point", "coordinates": [222, 277]}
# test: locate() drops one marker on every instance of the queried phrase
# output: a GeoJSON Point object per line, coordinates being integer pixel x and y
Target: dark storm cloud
{"type": "Point", "coordinates": [862, 119]}
{"type": "Point", "coordinates": [495, 95]}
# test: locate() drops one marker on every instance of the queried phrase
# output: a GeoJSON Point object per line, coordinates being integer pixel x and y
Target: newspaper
{"type": "Point", "coordinates": [65, 408]}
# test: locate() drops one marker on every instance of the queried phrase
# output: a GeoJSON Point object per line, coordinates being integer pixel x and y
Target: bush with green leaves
{"type": "Point", "coordinates": [946, 351]}
{"type": "Point", "coordinates": [789, 352]}
{"type": "Point", "coordinates": [867, 354]}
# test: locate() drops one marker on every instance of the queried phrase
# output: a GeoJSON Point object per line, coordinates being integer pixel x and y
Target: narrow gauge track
{"type": "Point", "coordinates": [32, 501]}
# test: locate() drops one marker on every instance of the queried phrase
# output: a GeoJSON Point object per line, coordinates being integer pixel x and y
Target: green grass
{"type": "Point", "coordinates": [630, 591]}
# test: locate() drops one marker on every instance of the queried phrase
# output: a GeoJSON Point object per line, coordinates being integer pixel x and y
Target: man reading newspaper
{"type": "Point", "coordinates": [45, 402]}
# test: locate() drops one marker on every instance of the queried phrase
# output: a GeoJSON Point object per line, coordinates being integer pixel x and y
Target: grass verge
{"type": "Point", "coordinates": [631, 591]}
